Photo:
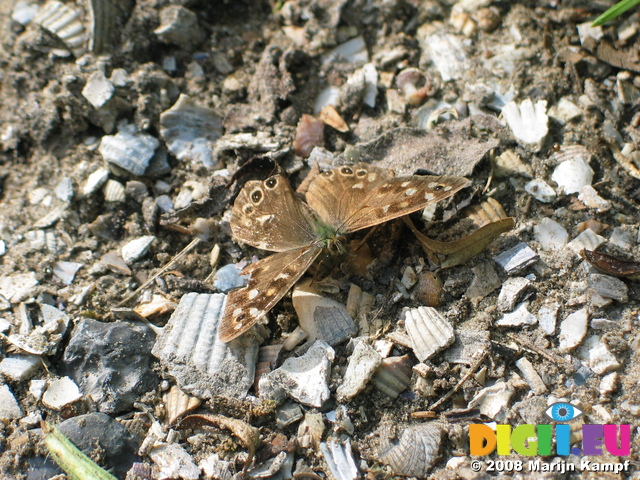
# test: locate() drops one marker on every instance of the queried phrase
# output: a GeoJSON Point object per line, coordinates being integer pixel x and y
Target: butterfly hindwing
{"type": "Point", "coordinates": [269, 216]}
{"type": "Point", "coordinates": [351, 198]}
{"type": "Point", "coordinates": [269, 280]}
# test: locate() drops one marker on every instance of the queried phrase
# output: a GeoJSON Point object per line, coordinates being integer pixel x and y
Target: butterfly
{"type": "Point", "coordinates": [268, 215]}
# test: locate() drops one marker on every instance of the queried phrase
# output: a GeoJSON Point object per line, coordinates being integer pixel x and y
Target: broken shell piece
{"type": "Point", "coordinates": [158, 305]}
{"type": "Point", "coordinates": [371, 85]}
{"type": "Point", "coordinates": [540, 190]}
{"type": "Point", "coordinates": [429, 332]}
{"type": "Point", "coordinates": [129, 150]}
{"type": "Point", "coordinates": [330, 116]}
{"type": "Point", "coordinates": [173, 461]}
{"type": "Point", "coordinates": [95, 181]}
{"type": "Point", "coordinates": [228, 277]}
{"type": "Point", "coordinates": [587, 240]}
{"type": "Point", "coordinates": [191, 351]}
{"type": "Point", "coordinates": [591, 199]}
{"type": "Point", "coordinates": [595, 352]}
{"type": "Point", "coordinates": [414, 453]}
{"type": "Point", "coordinates": [310, 430]}
{"type": "Point", "coordinates": [114, 191]}
{"type": "Point", "coordinates": [136, 248]}
{"type": "Point", "coordinates": [573, 329]}
{"type": "Point", "coordinates": [494, 400]}
{"type": "Point", "coordinates": [340, 460]}
{"type": "Point", "coordinates": [393, 375]}
{"type": "Point", "coordinates": [177, 403]}
{"type": "Point", "coordinates": [573, 174]}
{"type": "Point", "coordinates": [321, 317]}
{"type": "Point", "coordinates": [550, 234]}
{"type": "Point", "coordinates": [43, 340]}
{"type": "Point", "coordinates": [528, 122]}
{"type": "Point", "coordinates": [520, 316]}
{"type": "Point", "coordinates": [19, 368]}
{"type": "Point", "coordinates": [98, 90]}
{"type": "Point", "coordinates": [64, 189]}
{"type": "Point", "coordinates": [609, 287]}
{"type": "Point", "coordinates": [65, 23]}
{"type": "Point", "coordinates": [214, 467]}
{"type": "Point", "coordinates": [511, 292]}
{"type": "Point", "coordinates": [468, 345]}
{"type": "Point", "coordinates": [60, 393]}
{"type": "Point", "coordinates": [363, 363]}
{"type": "Point", "coordinates": [531, 376]}
{"type": "Point", "coordinates": [190, 131]}
{"type": "Point", "coordinates": [66, 271]}
{"type": "Point", "coordinates": [547, 317]}
{"type": "Point", "coordinates": [304, 378]}
{"type": "Point", "coordinates": [516, 258]}
{"type": "Point", "coordinates": [179, 25]}
{"type": "Point", "coordinates": [463, 22]}
{"type": "Point", "coordinates": [309, 134]}
{"type": "Point", "coordinates": [114, 262]}
{"type": "Point", "coordinates": [288, 414]}
{"type": "Point", "coordinates": [353, 51]}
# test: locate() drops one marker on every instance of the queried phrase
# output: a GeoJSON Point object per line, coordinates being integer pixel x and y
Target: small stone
{"type": "Point", "coordinates": [550, 234]}
{"type": "Point", "coordinates": [137, 248]}
{"type": "Point", "coordinates": [114, 262]}
{"type": "Point", "coordinates": [363, 363]}
{"type": "Point", "coordinates": [608, 383]}
{"type": "Point", "coordinates": [228, 277]}
{"type": "Point", "coordinates": [520, 316]}
{"type": "Point", "coordinates": [9, 407]}
{"type": "Point", "coordinates": [19, 367]}
{"type": "Point", "coordinates": [511, 292]}
{"type": "Point", "coordinates": [37, 388]}
{"type": "Point", "coordinates": [573, 329]}
{"type": "Point", "coordinates": [60, 393]}
{"type": "Point", "coordinates": [621, 238]}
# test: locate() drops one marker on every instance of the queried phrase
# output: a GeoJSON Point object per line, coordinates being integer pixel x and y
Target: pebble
{"type": "Point", "coordinates": [60, 393]}
{"type": "Point", "coordinates": [19, 368]}
{"type": "Point", "coordinates": [228, 277]}
{"type": "Point", "coordinates": [573, 329]}
{"type": "Point", "coordinates": [136, 248]}
{"type": "Point", "coordinates": [520, 316]}
{"type": "Point", "coordinates": [363, 363]}
{"type": "Point", "coordinates": [9, 407]}
{"type": "Point", "coordinates": [550, 234]}
{"type": "Point", "coordinates": [572, 175]}
{"type": "Point", "coordinates": [511, 292]}
{"type": "Point", "coordinates": [113, 378]}
{"type": "Point", "coordinates": [98, 90]}
{"type": "Point", "coordinates": [37, 388]}
{"type": "Point", "coordinates": [304, 378]}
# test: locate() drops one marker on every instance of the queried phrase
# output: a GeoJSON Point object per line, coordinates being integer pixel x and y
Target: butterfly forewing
{"type": "Point", "coordinates": [354, 197]}
{"type": "Point", "coordinates": [269, 216]}
{"type": "Point", "coordinates": [269, 280]}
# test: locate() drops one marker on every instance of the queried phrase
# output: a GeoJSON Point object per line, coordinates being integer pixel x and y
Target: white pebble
{"type": "Point", "coordinates": [520, 316]}
{"type": "Point", "coordinates": [9, 407]}
{"type": "Point", "coordinates": [573, 174]}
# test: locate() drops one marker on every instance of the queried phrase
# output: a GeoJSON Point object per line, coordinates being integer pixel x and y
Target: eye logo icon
{"type": "Point", "coordinates": [563, 412]}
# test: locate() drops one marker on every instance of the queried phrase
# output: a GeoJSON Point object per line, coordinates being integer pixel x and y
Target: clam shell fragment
{"type": "Point", "coordinates": [429, 332]}
{"type": "Point", "coordinates": [414, 452]}
{"type": "Point", "coordinates": [65, 23]}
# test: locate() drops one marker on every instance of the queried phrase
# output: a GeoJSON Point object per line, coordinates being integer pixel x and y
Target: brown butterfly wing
{"type": "Point", "coordinates": [268, 215]}
{"type": "Point", "coordinates": [269, 280]}
{"type": "Point", "coordinates": [351, 198]}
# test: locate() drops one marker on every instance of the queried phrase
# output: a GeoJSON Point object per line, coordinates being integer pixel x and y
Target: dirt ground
{"type": "Point", "coordinates": [256, 68]}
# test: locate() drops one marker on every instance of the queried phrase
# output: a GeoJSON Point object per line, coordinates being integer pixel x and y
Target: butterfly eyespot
{"type": "Point", "coordinates": [256, 196]}
{"type": "Point", "coordinates": [271, 182]}
{"type": "Point", "coordinates": [346, 171]}
{"type": "Point", "coordinates": [327, 174]}
{"type": "Point", "coordinates": [438, 188]}
{"type": "Point", "coordinates": [361, 173]}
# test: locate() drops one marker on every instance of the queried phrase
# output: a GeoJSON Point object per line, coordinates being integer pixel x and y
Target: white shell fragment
{"type": "Point", "coordinates": [201, 364]}
{"type": "Point", "coordinates": [493, 401]}
{"type": "Point", "coordinates": [228, 277]}
{"type": "Point", "coordinates": [98, 90]}
{"type": "Point", "coordinates": [340, 460]}
{"type": "Point", "coordinates": [288, 414]}
{"type": "Point", "coordinates": [214, 467]}
{"type": "Point", "coordinates": [60, 393]}
{"type": "Point", "coordinates": [173, 461]}
{"type": "Point", "coordinates": [114, 191]}
{"type": "Point", "coordinates": [511, 292]}
{"type": "Point", "coordinates": [19, 367]}
{"type": "Point", "coordinates": [509, 163]}
{"type": "Point", "coordinates": [43, 340]}
{"type": "Point", "coordinates": [589, 196]}
{"type": "Point", "coordinates": [177, 403]}
{"type": "Point", "coordinates": [128, 149]}
{"type": "Point", "coordinates": [66, 271]}
{"type": "Point", "coordinates": [447, 54]}
{"type": "Point", "coordinates": [321, 317]}
{"type": "Point", "coordinates": [429, 332]}
{"type": "Point", "coordinates": [531, 376]}
{"type": "Point", "coordinates": [95, 181]}
{"type": "Point", "coordinates": [598, 356]}
{"type": "Point", "coordinates": [65, 23]}
{"type": "Point", "coordinates": [550, 234]}
{"type": "Point", "coordinates": [520, 316]}
{"type": "Point", "coordinates": [516, 258]}
{"type": "Point", "coordinates": [64, 190]}
{"type": "Point", "coordinates": [528, 122]}
{"type": "Point", "coordinates": [413, 452]}
{"type": "Point", "coordinates": [9, 406]}
{"type": "Point", "coordinates": [136, 248]}
{"type": "Point", "coordinates": [190, 131]}
{"type": "Point", "coordinates": [573, 329]}
{"type": "Point", "coordinates": [304, 378]}
{"type": "Point", "coordinates": [609, 287]}
{"type": "Point", "coordinates": [586, 240]}
{"type": "Point", "coordinates": [393, 375]}
{"type": "Point", "coordinates": [573, 174]}
{"type": "Point", "coordinates": [363, 363]}
{"type": "Point", "coordinates": [547, 317]}
{"type": "Point", "coordinates": [371, 85]}
{"type": "Point", "coordinates": [353, 51]}
{"type": "Point", "coordinates": [565, 111]}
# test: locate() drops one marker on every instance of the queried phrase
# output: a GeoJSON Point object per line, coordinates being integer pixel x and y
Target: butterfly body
{"type": "Point", "coordinates": [268, 215]}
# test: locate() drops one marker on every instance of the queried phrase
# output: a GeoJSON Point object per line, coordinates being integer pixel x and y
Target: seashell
{"type": "Point", "coordinates": [177, 403]}
{"type": "Point", "coordinates": [136, 248]}
{"type": "Point", "coordinates": [214, 467]}
{"type": "Point", "coordinates": [570, 152]}
{"type": "Point", "coordinates": [509, 163]}
{"type": "Point", "coordinates": [587, 240]}
{"type": "Point", "coordinates": [409, 277]}
{"type": "Point", "coordinates": [494, 400]}
{"type": "Point", "coordinates": [37, 388]}
{"type": "Point", "coordinates": [363, 363]}
{"type": "Point", "coordinates": [295, 338]}
{"type": "Point", "coordinates": [228, 277]}
{"type": "Point", "coordinates": [309, 134]}
{"type": "Point", "coordinates": [370, 85]}
{"type": "Point", "coordinates": [573, 174]}
{"type": "Point", "coordinates": [288, 414]}
{"type": "Point", "coordinates": [98, 90]}
{"type": "Point", "coordinates": [114, 262]}
{"type": "Point", "coordinates": [321, 317]}
{"type": "Point", "coordinates": [66, 271]}
{"type": "Point", "coordinates": [463, 22]}
{"type": "Point", "coordinates": [10, 406]}
{"type": "Point", "coordinates": [202, 365]}
{"type": "Point", "coordinates": [519, 317]}
{"type": "Point", "coordinates": [114, 191]}
{"type": "Point", "coordinates": [414, 86]}
{"type": "Point", "coordinates": [516, 258]}
{"type": "Point", "coordinates": [429, 332]}
{"type": "Point", "coordinates": [512, 292]}
{"type": "Point", "coordinates": [414, 453]}
{"type": "Point", "coordinates": [95, 181]}
{"type": "Point", "coordinates": [328, 96]}
{"type": "Point", "coordinates": [19, 368]}
{"type": "Point", "coordinates": [429, 289]}
{"type": "Point", "coordinates": [531, 376]}
{"type": "Point", "coordinates": [278, 466]}
{"type": "Point", "coordinates": [330, 116]}
{"type": "Point", "coordinates": [589, 196]}
{"type": "Point", "coordinates": [540, 190]}
{"type": "Point", "coordinates": [65, 23]}
{"type": "Point", "coordinates": [488, 19]}
{"type": "Point", "coordinates": [173, 461]}
{"type": "Point", "coordinates": [393, 375]}
{"type": "Point", "coordinates": [179, 25]}
{"type": "Point", "coordinates": [158, 305]}
{"type": "Point", "coordinates": [61, 393]}
{"type": "Point", "coordinates": [24, 12]}
{"type": "Point", "coordinates": [609, 287]}
{"type": "Point", "coordinates": [129, 150]}
{"type": "Point", "coordinates": [573, 329]}
{"type": "Point", "coordinates": [108, 18]}
{"type": "Point", "coordinates": [529, 123]}
{"type": "Point", "coordinates": [447, 52]}
{"type": "Point", "coordinates": [312, 427]}
{"type": "Point", "coordinates": [550, 234]}
{"type": "Point", "coordinates": [468, 344]}
{"type": "Point", "coordinates": [340, 460]}
{"type": "Point", "coordinates": [353, 51]}
{"type": "Point", "coordinates": [304, 472]}
{"type": "Point", "coordinates": [64, 189]}
{"type": "Point", "coordinates": [190, 131]}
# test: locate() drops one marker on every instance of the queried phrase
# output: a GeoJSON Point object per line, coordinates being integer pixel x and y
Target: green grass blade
{"type": "Point", "coordinates": [618, 9]}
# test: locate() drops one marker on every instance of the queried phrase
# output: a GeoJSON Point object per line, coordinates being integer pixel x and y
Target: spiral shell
{"type": "Point", "coordinates": [414, 453]}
